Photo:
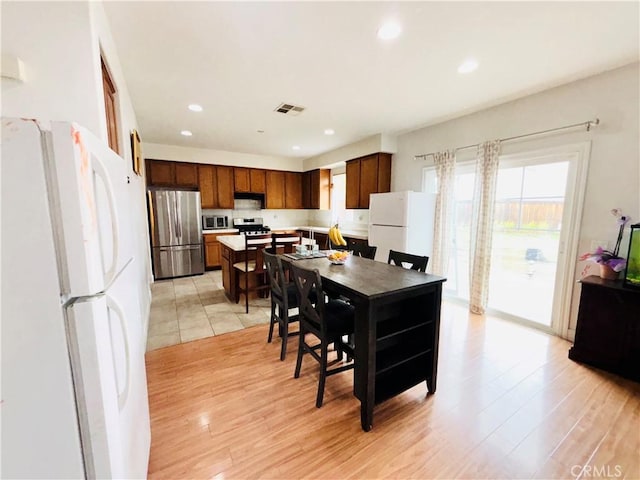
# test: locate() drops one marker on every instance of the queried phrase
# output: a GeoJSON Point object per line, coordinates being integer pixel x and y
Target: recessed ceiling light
{"type": "Point", "coordinates": [389, 31]}
{"type": "Point", "coordinates": [329, 131]}
{"type": "Point", "coordinates": [296, 147]}
{"type": "Point", "coordinates": [194, 107]}
{"type": "Point", "coordinates": [468, 66]}
{"type": "Point", "coordinates": [186, 133]}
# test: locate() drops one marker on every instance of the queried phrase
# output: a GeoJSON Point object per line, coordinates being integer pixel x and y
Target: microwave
{"type": "Point", "coordinates": [210, 222]}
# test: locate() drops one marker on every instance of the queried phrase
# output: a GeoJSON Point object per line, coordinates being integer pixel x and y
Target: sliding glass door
{"type": "Point", "coordinates": [537, 210]}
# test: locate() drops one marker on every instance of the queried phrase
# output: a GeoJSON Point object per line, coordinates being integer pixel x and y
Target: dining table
{"type": "Point", "coordinates": [397, 325]}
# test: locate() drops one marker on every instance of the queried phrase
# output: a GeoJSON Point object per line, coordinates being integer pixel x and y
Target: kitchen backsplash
{"type": "Point", "coordinates": [351, 220]}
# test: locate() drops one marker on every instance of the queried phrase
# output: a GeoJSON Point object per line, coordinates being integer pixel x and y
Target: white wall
{"type": "Point", "coordinates": [60, 43]}
{"type": "Point", "coordinates": [373, 144]}
{"type": "Point", "coordinates": [160, 151]}
{"type": "Point", "coordinates": [614, 167]}
{"type": "Point", "coordinates": [54, 41]}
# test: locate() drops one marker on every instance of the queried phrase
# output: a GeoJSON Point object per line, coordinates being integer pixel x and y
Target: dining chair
{"type": "Point", "coordinates": [329, 321]}
{"type": "Point", "coordinates": [284, 297]}
{"type": "Point", "coordinates": [363, 250]}
{"type": "Point", "coordinates": [416, 262]}
{"type": "Point", "coordinates": [250, 273]}
{"type": "Point", "coordinates": [284, 242]}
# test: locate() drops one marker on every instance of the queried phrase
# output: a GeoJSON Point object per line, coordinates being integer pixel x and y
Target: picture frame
{"type": "Point", "coordinates": [136, 155]}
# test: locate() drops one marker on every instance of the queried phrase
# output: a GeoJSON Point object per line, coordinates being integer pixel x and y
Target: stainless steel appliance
{"type": "Point", "coordinates": [176, 233]}
{"type": "Point", "coordinates": [210, 222]}
{"type": "Point", "coordinates": [250, 226]}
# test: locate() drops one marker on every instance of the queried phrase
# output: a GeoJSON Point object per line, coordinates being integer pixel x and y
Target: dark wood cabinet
{"type": "Point", "coordinates": [275, 195]}
{"type": "Point", "coordinates": [367, 175]}
{"type": "Point", "coordinates": [212, 251]}
{"type": "Point", "coordinates": [316, 189]}
{"type": "Point", "coordinates": [608, 328]}
{"type": "Point", "coordinates": [215, 189]}
{"type": "Point", "coordinates": [208, 180]}
{"type": "Point", "coordinates": [241, 180]}
{"type": "Point", "coordinates": [257, 180]}
{"type": "Point", "coordinates": [293, 190]}
{"type": "Point", "coordinates": [162, 173]}
{"type": "Point", "coordinates": [225, 186]}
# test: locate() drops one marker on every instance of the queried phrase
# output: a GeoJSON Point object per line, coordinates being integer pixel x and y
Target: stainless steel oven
{"type": "Point", "coordinates": [210, 222]}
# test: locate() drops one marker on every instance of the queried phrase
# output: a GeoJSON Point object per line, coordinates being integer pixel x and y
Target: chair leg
{"type": "Point", "coordinates": [246, 293]}
{"type": "Point", "coordinates": [272, 321]}
{"type": "Point", "coordinates": [284, 322]}
{"type": "Point", "coordinates": [300, 353]}
{"type": "Point", "coordinates": [338, 347]}
{"type": "Point", "coordinates": [323, 373]}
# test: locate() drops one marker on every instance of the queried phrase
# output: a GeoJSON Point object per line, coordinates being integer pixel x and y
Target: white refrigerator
{"type": "Point", "coordinates": [401, 221]}
{"type": "Point", "coordinates": [74, 391]}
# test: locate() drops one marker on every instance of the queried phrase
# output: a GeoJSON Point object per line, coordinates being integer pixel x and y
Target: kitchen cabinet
{"type": "Point", "coordinates": [257, 180]}
{"type": "Point", "coordinates": [316, 189]}
{"type": "Point", "coordinates": [163, 173]}
{"type": "Point", "coordinates": [293, 190]}
{"type": "Point", "coordinates": [215, 188]}
{"type": "Point", "coordinates": [367, 175]}
{"type": "Point", "coordinates": [249, 180]}
{"type": "Point", "coordinates": [212, 251]}
{"type": "Point", "coordinates": [241, 180]}
{"type": "Point", "coordinates": [225, 186]}
{"type": "Point", "coordinates": [208, 179]}
{"type": "Point", "coordinates": [275, 195]}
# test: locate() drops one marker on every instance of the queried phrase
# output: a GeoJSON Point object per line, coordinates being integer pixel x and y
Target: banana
{"type": "Point", "coordinates": [339, 238]}
{"type": "Point", "coordinates": [332, 235]}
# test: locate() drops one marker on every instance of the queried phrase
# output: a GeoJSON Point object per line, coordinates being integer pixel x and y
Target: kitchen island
{"type": "Point", "coordinates": [233, 251]}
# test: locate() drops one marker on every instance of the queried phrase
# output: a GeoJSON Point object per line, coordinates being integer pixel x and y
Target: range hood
{"type": "Point", "coordinates": [248, 201]}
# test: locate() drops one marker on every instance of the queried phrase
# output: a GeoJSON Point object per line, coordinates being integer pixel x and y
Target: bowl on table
{"type": "Point", "coordinates": [338, 257]}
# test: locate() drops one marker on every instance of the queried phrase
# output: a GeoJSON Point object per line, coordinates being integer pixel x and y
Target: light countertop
{"type": "Point", "coordinates": [359, 234]}
{"type": "Point", "coordinates": [220, 231]}
{"type": "Point", "coordinates": [236, 242]}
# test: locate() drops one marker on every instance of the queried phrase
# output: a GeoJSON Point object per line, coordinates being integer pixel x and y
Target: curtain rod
{"type": "Point", "coordinates": [588, 124]}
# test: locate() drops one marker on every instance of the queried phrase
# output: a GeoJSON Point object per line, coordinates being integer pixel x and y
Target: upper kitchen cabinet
{"type": "Point", "coordinates": [258, 180]}
{"type": "Point", "coordinates": [316, 189]}
{"type": "Point", "coordinates": [366, 175]}
{"type": "Point", "coordinates": [275, 195]}
{"type": "Point", "coordinates": [293, 190]}
{"type": "Point", "coordinates": [249, 180]}
{"type": "Point", "coordinates": [216, 191]}
{"type": "Point", "coordinates": [161, 173]}
{"type": "Point", "coordinates": [241, 180]}
{"type": "Point", "coordinates": [225, 186]}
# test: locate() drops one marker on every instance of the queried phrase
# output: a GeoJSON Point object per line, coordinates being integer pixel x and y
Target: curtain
{"type": "Point", "coordinates": [484, 195]}
{"type": "Point", "coordinates": [445, 164]}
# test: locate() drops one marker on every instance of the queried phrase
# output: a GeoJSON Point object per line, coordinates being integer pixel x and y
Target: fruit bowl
{"type": "Point", "coordinates": [338, 257]}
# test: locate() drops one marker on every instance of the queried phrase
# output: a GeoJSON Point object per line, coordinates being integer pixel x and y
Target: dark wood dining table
{"type": "Point", "coordinates": [397, 325]}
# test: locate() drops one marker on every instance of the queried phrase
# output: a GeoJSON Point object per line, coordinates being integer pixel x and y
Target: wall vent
{"type": "Point", "coordinates": [289, 109]}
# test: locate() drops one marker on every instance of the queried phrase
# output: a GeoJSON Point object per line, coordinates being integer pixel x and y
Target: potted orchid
{"type": "Point", "coordinates": [610, 263]}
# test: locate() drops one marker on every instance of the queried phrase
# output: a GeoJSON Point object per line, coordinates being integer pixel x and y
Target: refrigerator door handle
{"type": "Point", "coordinates": [178, 218]}
{"type": "Point", "coordinates": [115, 233]}
{"type": "Point", "coordinates": [124, 394]}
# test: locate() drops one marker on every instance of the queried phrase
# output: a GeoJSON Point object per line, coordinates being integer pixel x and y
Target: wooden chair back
{"type": "Point", "coordinates": [363, 250]}
{"type": "Point", "coordinates": [416, 262]}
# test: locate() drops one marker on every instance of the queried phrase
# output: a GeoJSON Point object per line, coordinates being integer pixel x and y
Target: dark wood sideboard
{"type": "Point", "coordinates": [608, 328]}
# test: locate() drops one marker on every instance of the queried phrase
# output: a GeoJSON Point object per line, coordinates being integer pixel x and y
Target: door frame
{"type": "Point", "coordinates": [578, 156]}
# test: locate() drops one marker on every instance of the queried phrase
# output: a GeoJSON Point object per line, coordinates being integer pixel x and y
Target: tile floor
{"type": "Point", "coordinates": [190, 308]}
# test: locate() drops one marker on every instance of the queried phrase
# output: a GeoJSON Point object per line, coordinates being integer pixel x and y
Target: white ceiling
{"type": "Point", "coordinates": [240, 60]}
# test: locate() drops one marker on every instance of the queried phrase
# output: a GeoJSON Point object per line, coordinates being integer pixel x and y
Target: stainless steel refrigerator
{"type": "Point", "coordinates": [176, 233]}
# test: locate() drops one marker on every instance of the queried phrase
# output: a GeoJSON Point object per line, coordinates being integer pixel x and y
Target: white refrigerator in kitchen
{"type": "Point", "coordinates": [74, 391]}
{"type": "Point", "coordinates": [401, 221]}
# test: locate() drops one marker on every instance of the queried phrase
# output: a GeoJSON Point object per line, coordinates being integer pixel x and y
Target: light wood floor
{"type": "Point", "coordinates": [509, 404]}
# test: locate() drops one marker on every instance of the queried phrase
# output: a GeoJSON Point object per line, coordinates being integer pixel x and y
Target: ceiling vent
{"type": "Point", "coordinates": [289, 109]}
